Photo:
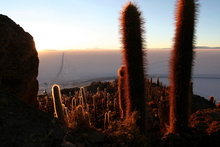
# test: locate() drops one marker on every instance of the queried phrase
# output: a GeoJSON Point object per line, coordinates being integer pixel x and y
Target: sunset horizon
{"type": "Point", "coordinates": [102, 73]}
{"type": "Point", "coordinates": [109, 49]}
{"type": "Point", "coordinates": [73, 24]}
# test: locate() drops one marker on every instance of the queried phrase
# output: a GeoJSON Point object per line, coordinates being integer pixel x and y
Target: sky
{"type": "Point", "coordinates": [92, 24]}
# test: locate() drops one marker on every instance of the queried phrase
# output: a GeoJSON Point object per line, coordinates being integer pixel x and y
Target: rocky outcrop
{"type": "Point", "coordinates": [199, 102]}
{"type": "Point", "coordinates": [18, 62]}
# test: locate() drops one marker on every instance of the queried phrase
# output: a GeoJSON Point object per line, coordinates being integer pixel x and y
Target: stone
{"type": "Point", "coordinates": [18, 62]}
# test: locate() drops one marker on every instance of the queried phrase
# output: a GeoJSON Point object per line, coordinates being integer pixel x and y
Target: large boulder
{"type": "Point", "coordinates": [18, 62]}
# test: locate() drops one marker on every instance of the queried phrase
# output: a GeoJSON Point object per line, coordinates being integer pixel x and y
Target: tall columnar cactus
{"type": "Point", "coordinates": [121, 92]}
{"type": "Point", "coordinates": [58, 108]}
{"type": "Point", "coordinates": [181, 65]}
{"type": "Point", "coordinates": [133, 56]}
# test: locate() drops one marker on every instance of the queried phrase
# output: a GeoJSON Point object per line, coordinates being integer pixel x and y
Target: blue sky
{"type": "Point", "coordinates": [83, 24]}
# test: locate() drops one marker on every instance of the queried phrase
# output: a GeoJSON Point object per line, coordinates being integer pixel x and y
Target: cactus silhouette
{"type": "Point", "coordinates": [121, 91]}
{"type": "Point", "coordinates": [133, 56]}
{"type": "Point", "coordinates": [58, 108]}
{"type": "Point", "coordinates": [181, 65]}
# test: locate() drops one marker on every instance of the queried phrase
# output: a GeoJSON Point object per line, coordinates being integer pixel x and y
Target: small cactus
{"type": "Point", "coordinates": [58, 108]}
{"type": "Point", "coordinates": [115, 103]}
{"type": "Point", "coordinates": [106, 121]}
{"type": "Point", "coordinates": [108, 101]}
{"type": "Point", "coordinates": [218, 105]}
{"type": "Point", "coordinates": [73, 103]}
{"type": "Point", "coordinates": [66, 114]}
{"type": "Point", "coordinates": [109, 116]}
{"type": "Point", "coordinates": [121, 91]}
{"type": "Point", "coordinates": [80, 118]}
{"type": "Point", "coordinates": [157, 80]}
{"type": "Point", "coordinates": [83, 97]}
{"type": "Point", "coordinates": [150, 81]}
{"type": "Point", "coordinates": [212, 100]}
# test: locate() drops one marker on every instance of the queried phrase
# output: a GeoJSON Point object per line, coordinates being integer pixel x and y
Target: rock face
{"type": "Point", "coordinates": [18, 62]}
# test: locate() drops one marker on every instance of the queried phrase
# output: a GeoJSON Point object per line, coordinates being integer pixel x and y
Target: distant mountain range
{"type": "Point", "coordinates": [206, 47]}
{"type": "Point", "coordinates": [200, 47]}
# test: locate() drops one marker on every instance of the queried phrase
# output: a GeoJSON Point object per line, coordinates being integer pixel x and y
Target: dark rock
{"type": "Point", "coordinates": [18, 62]}
{"type": "Point", "coordinates": [86, 137]}
{"type": "Point", "coordinates": [23, 125]}
{"type": "Point", "coordinates": [199, 102]}
{"type": "Point", "coordinates": [179, 140]}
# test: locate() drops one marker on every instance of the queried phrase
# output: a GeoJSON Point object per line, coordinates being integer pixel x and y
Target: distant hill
{"type": "Point", "coordinates": [206, 47]}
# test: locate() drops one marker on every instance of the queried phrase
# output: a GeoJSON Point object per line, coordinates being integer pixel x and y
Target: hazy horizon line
{"type": "Point", "coordinates": [102, 49]}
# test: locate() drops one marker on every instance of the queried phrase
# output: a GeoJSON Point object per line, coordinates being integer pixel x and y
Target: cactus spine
{"type": "Point", "coordinates": [131, 30]}
{"type": "Point", "coordinates": [181, 66]}
{"type": "Point", "coordinates": [58, 108]}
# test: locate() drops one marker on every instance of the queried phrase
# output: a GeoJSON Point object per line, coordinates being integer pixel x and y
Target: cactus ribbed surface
{"type": "Point", "coordinates": [181, 65]}
{"type": "Point", "coordinates": [133, 56]}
